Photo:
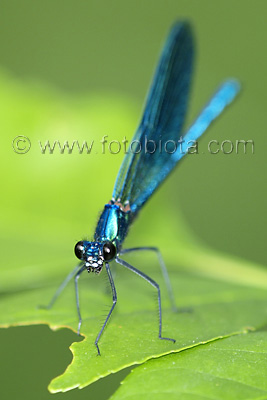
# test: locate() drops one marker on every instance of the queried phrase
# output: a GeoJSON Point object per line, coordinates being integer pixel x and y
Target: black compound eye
{"type": "Point", "coordinates": [79, 249]}
{"type": "Point", "coordinates": [109, 251]}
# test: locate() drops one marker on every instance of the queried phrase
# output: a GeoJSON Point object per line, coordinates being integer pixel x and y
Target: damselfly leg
{"type": "Point", "coordinates": [162, 267]}
{"type": "Point", "coordinates": [77, 297]}
{"type": "Point", "coordinates": [114, 298]}
{"type": "Point", "coordinates": [154, 284]}
{"type": "Point", "coordinates": [61, 288]}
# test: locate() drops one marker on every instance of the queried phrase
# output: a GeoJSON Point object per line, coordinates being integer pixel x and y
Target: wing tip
{"type": "Point", "coordinates": [181, 25]}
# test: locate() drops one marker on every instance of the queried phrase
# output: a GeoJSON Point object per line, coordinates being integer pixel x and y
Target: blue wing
{"type": "Point", "coordinates": [164, 111]}
{"type": "Point", "coordinates": [143, 171]}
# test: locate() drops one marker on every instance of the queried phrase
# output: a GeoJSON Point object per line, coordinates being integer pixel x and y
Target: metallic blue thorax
{"type": "Point", "coordinates": [113, 225]}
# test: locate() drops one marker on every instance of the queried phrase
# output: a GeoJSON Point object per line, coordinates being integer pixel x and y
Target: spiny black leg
{"type": "Point", "coordinates": [163, 270]}
{"type": "Point", "coordinates": [154, 284]}
{"type": "Point", "coordinates": [114, 298]}
{"type": "Point", "coordinates": [61, 288]}
{"type": "Point", "coordinates": [77, 297]}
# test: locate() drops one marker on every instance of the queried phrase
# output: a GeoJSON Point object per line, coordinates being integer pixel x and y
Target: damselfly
{"type": "Point", "coordinates": [145, 167]}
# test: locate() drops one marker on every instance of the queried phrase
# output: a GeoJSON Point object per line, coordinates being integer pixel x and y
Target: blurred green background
{"type": "Point", "coordinates": [106, 51]}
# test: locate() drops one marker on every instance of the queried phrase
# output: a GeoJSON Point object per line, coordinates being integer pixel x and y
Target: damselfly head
{"type": "Point", "coordinates": [94, 254]}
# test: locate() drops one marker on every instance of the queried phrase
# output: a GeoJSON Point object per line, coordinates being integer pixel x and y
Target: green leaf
{"type": "Point", "coordinates": [233, 368]}
{"type": "Point", "coordinates": [218, 310]}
